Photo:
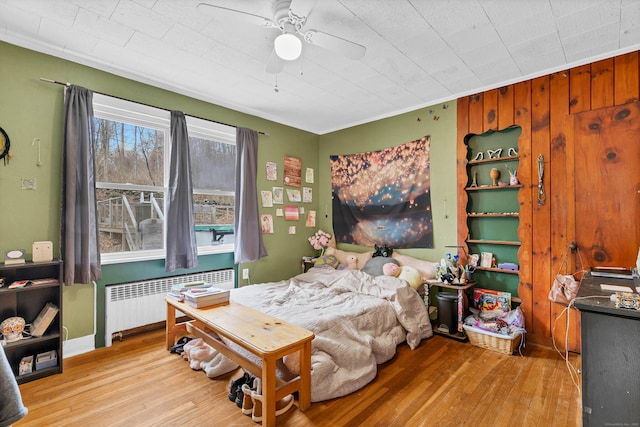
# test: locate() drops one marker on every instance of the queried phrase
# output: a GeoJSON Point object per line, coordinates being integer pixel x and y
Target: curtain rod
{"type": "Point", "coordinates": [44, 79]}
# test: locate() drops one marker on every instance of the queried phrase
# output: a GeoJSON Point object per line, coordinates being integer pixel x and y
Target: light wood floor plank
{"type": "Point", "coordinates": [442, 383]}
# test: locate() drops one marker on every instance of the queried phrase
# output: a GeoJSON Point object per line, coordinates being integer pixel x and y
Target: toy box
{"type": "Point", "coordinates": [488, 299]}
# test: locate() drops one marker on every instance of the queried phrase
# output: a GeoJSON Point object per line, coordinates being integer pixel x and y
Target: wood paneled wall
{"type": "Point", "coordinates": [545, 108]}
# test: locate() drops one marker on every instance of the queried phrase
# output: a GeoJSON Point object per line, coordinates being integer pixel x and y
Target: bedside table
{"type": "Point", "coordinates": [307, 263]}
{"type": "Point", "coordinates": [462, 289]}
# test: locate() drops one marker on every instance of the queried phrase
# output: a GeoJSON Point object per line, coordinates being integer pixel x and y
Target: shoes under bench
{"type": "Point", "coordinates": [246, 392]}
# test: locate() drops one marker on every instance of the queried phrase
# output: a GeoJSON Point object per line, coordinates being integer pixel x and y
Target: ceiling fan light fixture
{"type": "Point", "coordinates": [288, 46]}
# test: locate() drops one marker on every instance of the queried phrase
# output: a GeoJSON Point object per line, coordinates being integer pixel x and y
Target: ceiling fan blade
{"type": "Point", "coordinates": [302, 8]}
{"type": "Point", "coordinates": [275, 64]}
{"type": "Point", "coordinates": [249, 18]}
{"type": "Point", "coordinates": [336, 44]}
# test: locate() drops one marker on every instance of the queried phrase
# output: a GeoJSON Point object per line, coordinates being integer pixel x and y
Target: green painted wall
{"type": "Point", "coordinates": [438, 122]}
{"type": "Point", "coordinates": [30, 108]}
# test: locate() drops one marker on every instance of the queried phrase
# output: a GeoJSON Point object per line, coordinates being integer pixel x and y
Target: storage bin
{"type": "Point", "coordinates": [447, 312]}
{"type": "Point", "coordinates": [505, 344]}
{"type": "Point", "coordinates": [47, 359]}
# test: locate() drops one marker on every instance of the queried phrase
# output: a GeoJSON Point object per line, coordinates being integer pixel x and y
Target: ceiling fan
{"type": "Point", "coordinates": [290, 17]}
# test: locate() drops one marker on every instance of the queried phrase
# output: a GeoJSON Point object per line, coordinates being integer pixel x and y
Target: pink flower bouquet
{"type": "Point", "coordinates": [320, 240]}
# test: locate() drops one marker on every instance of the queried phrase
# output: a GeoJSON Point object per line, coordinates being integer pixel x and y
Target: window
{"type": "Point", "coordinates": [132, 154]}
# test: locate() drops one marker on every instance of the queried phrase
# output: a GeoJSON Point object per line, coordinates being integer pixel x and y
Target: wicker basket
{"type": "Point", "coordinates": [505, 344]}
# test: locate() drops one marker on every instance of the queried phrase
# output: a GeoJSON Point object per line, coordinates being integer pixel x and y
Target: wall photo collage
{"type": "Point", "coordinates": [286, 202]}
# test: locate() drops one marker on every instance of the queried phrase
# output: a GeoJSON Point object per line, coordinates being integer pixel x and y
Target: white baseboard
{"type": "Point", "coordinates": [78, 346]}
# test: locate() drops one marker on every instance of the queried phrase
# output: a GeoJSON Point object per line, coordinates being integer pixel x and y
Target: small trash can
{"type": "Point", "coordinates": [447, 312]}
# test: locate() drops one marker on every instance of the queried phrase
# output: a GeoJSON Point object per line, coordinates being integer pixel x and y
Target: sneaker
{"type": "Point", "coordinates": [282, 406]}
{"type": "Point", "coordinates": [247, 403]}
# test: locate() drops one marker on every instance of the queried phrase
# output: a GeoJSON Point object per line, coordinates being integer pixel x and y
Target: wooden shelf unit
{"type": "Point", "coordinates": [493, 215]}
{"type": "Point", "coordinates": [27, 302]}
{"type": "Point", "coordinates": [491, 219]}
{"type": "Point", "coordinates": [494, 242]}
{"type": "Point", "coordinates": [493, 160]}
{"type": "Point", "coordinates": [495, 187]}
{"type": "Point", "coordinates": [498, 270]}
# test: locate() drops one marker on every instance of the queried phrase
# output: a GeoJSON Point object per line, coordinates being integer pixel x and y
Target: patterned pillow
{"type": "Point", "coordinates": [327, 261]}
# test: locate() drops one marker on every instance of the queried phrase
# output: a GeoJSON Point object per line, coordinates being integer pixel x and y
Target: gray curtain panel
{"type": "Point", "coordinates": [80, 250]}
{"type": "Point", "coordinates": [248, 244]}
{"type": "Point", "coordinates": [182, 249]}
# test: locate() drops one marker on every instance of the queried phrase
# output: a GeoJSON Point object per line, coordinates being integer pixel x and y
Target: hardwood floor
{"type": "Point", "coordinates": [442, 383]}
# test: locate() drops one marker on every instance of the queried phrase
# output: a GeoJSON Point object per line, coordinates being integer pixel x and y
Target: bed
{"type": "Point", "coordinates": [358, 321]}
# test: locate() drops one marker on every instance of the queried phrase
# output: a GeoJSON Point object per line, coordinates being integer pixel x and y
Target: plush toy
{"type": "Point", "coordinates": [327, 261]}
{"type": "Point", "coordinates": [384, 251]}
{"type": "Point", "coordinates": [409, 274]}
{"type": "Point", "coordinates": [351, 263]}
{"type": "Point", "coordinates": [362, 257]}
{"type": "Point", "coordinates": [374, 265]}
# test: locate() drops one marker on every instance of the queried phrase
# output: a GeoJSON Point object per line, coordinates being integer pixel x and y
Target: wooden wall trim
{"type": "Point", "coordinates": [522, 118]}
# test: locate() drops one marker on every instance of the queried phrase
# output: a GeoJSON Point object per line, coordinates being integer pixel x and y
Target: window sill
{"type": "Point", "coordinates": [119, 258]}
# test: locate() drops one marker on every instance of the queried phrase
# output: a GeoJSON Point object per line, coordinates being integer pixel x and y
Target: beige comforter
{"type": "Point", "coordinates": [358, 321]}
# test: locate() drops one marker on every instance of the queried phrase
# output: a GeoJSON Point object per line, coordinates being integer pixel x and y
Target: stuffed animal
{"type": "Point", "coordinates": [384, 251]}
{"type": "Point", "coordinates": [342, 256]}
{"type": "Point", "coordinates": [350, 264]}
{"type": "Point", "coordinates": [327, 261]}
{"type": "Point", "coordinates": [374, 265]}
{"type": "Point", "coordinates": [409, 274]}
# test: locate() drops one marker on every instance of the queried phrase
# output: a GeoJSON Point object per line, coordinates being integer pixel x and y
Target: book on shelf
{"type": "Point", "coordinates": [47, 281]}
{"type": "Point", "coordinates": [43, 320]}
{"type": "Point", "coordinates": [18, 284]}
{"type": "Point", "coordinates": [199, 298]}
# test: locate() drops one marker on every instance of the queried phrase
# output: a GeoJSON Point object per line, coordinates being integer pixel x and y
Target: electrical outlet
{"type": "Point", "coordinates": [245, 274]}
{"type": "Point", "coordinates": [28, 184]}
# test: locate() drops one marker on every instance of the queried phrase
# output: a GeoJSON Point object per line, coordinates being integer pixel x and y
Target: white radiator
{"type": "Point", "coordinates": [135, 304]}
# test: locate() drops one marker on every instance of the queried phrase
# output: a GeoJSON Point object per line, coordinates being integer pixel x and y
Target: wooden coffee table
{"type": "Point", "coordinates": [265, 336]}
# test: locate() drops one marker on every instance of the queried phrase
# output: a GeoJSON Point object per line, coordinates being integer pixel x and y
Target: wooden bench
{"type": "Point", "coordinates": [265, 336]}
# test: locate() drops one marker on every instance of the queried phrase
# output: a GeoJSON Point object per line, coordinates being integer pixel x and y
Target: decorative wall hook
{"type": "Point", "coordinates": [494, 154]}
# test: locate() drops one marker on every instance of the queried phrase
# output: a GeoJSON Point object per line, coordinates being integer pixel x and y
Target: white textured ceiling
{"type": "Point", "coordinates": [419, 52]}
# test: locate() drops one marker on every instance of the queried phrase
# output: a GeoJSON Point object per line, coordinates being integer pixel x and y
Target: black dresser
{"type": "Point", "coordinates": [610, 355]}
